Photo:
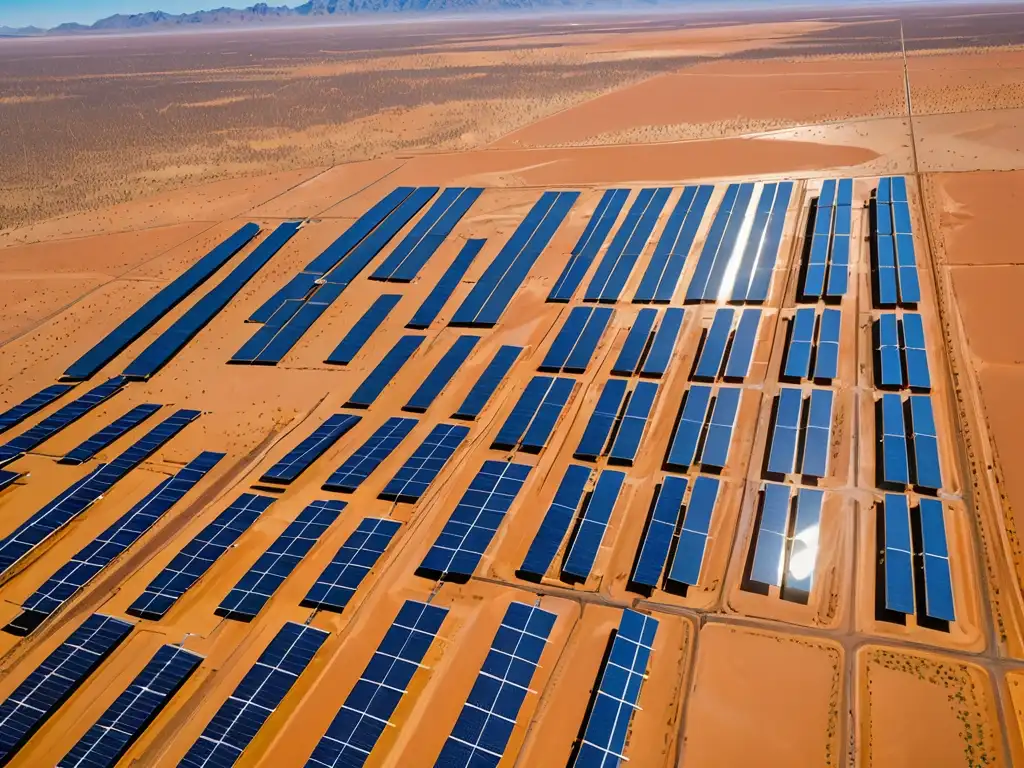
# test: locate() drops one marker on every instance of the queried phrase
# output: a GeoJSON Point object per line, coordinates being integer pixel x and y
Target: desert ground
{"type": "Point", "coordinates": [125, 159]}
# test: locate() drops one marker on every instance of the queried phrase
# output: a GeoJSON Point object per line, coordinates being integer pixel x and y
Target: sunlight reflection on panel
{"type": "Point", "coordinates": [733, 267]}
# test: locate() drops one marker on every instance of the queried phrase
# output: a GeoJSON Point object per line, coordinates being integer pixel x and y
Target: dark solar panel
{"type": "Point", "coordinates": [782, 449]}
{"type": "Point", "coordinates": [738, 365]}
{"type": "Point", "coordinates": [938, 587]}
{"type": "Point", "coordinates": [385, 372]}
{"type": "Point", "coordinates": [634, 421]}
{"type": "Point", "coordinates": [636, 343]}
{"type": "Point", "coordinates": [7, 478]}
{"type": "Point", "coordinates": [606, 413]}
{"type": "Point", "coordinates": [446, 285]}
{"type": "Point", "coordinates": [590, 242]}
{"type": "Point", "coordinates": [817, 261]}
{"type": "Point", "coordinates": [662, 275]}
{"type": "Point", "coordinates": [416, 475]}
{"type": "Point", "coordinates": [801, 342]}
{"type": "Point", "coordinates": [18, 413]}
{"type": "Point", "coordinates": [693, 538]}
{"type": "Point", "coordinates": [302, 456]}
{"type": "Point", "coordinates": [556, 521]}
{"type": "Point", "coordinates": [719, 434]}
{"type": "Point", "coordinates": [488, 383]}
{"type": "Point", "coordinates": [826, 364]}
{"type": "Point", "coordinates": [818, 434]}
{"type": "Point", "coordinates": [927, 473]}
{"type": "Point", "coordinates": [682, 452]}
{"type": "Point", "coordinates": [895, 463]}
{"type": "Point", "coordinates": [664, 344]}
{"type": "Point", "coordinates": [769, 551]}
{"type": "Point", "coordinates": [109, 434]}
{"type": "Point", "coordinates": [441, 374]}
{"type": "Point", "coordinates": [364, 328]}
{"type": "Point", "coordinates": [712, 353]}
{"type": "Point", "coordinates": [351, 564]}
{"type": "Point", "coordinates": [361, 464]}
{"type": "Point", "coordinates": [899, 555]}
{"type": "Point", "coordinates": [582, 351]}
{"type": "Point", "coordinates": [592, 524]}
{"type": "Point", "coordinates": [664, 519]}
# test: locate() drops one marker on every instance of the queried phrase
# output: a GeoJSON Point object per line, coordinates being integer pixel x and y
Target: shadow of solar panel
{"type": "Point", "coordinates": [82, 494]}
{"type": "Point", "coordinates": [803, 548]}
{"type": "Point", "coordinates": [826, 363]}
{"type": "Point", "coordinates": [364, 328]}
{"type": "Point", "coordinates": [699, 279]}
{"type": "Point", "coordinates": [660, 355]}
{"type": "Point", "coordinates": [174, 339]}
{"type": "Point", "coordinates": [682, 453]}
{"type": "Point", "coordinates": [60, 674]}
{"type": "Point", "coordinates": [6, 478]}
{"type": "Point", "coordinates": [488, 383]}
{"type": "Point", "coordinates": [589, 244]}
{"type": "Point", "coordinates": [302, 456]}
{"type": "Point", "coordinates": [109, 434]}
{"type": "Point", "coordinates": [367, 710]}
{"type": "Point", "coordinates": [818, 434]}
{"type": "Point", "coordinates": [247, 598]}
{"type": "Point", "coordinates": [915, 355]}
{"type": "Point", "coordinates": [592, 525]}
{"type": "Point", "coordinates": [782, 450]}
{"type": "Point", "coordinates": [712, 354]}
{"type": "Point", "coordinates": [87, 563]}
{"type": "Point", "coordinates": [618, 692]}
{"type": "Point", "coordinates": [481, 733]}
{"type": "Point", "coordinates": [769, 550]}
{"type": "Point", "coordinates": [927, 474]}
{"type": "Point", "coordinates": [938, 587]}
{"type": "Point", "coordinates": [169, 296]}
{"type": "Point", "coordinates": [654, 551]}
{"type": "Point", "coordinates": [261, 691]}
{"type": "Point", "coordinates": [899, 557]}
{"type": "Point", "coordinates": [475, 520]}
{"type": "Point", "coordinates": [719, 433]}
{"type": "Point", "coordinates": [662, 275]}
{"type": "Point", "coordinates": [633, 350]}
{"type": "Point", "coordinates": [415, 476]}
{"type": "Point", "coordinates": [446, 285]}
{"type": "Point", "coordinates": [385, 372]}
{"type": "Point", "coordinates": [889, 374]}
{"type": "Point", "coordinates": [556, 522]}
{"type": "Point", "coordinates": [351, 564]}
{"type": "Point", "coordinates": [895, 462]}
{"type": "Point", "coordinates": [126, 719]}
{"type": "Point", "coordinates": [18, 413]}
{"type": "Point", "coordinates": [198, 556]}
{"type": "Point", "coordinates": [361, 464]}
{"type": "Point", "coordinates": [801, 341]}
{"type": "Point", "coordinates": [57, 421]}
{"type": "Point", "coordinates": [606, 413]}
{"type": "Point", "coordinates": [634, 421]}
{"type": "Point", "coordinates": [738, 365]}
{"type": "Point", "coordinates": [693, 537]}
{"type": "Point", "coordinates": [761, 275]}
{"type": "Point", "coordinates": [441, 374]}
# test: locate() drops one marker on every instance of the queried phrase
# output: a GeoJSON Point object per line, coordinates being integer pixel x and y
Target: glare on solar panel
{"type": "Point", "coordinates": [748, 257]}
{"type": "Point", "coordinates": [699, 280]}
{"type": "Point", "coordinates": [360, 465]}
{"type": "Point", "coordinates": [803, 549]}
{"type": "Point", "coordinates": [716, 284]}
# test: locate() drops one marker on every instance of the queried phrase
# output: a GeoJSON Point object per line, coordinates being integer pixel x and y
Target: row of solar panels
{"type": "Point", "coordinates": [826, 270]}
{"type": "Point", "coordinates": [896, 281]}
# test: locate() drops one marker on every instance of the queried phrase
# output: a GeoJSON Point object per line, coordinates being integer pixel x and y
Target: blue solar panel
{"type": "Point", "coordinates": [843, 222]}
{"type": "Point", "coordinates": [197, 557]}
{"type": "Point", "coordinates": [844, 192]}
{"type": "Point", "coordinates": [634, 422]}
{"type": "Point", "coordinates": [367, 710]}
{"type": "Point", "coordinates": [818, 434]}
{"type": "Point", "coordinates": [6, 478]}
{"type": "Point", "coordinates": [770, 549]}
{"type": "Point", "coordinates": [126, 719]}
{"type": "Point", "coordinates": [817, 264]}
{"type": "Point", "coordinates": [254, 590]}
{"type": "Point", "coordinates": [761, 279]}
{"type": "Point", "coordinates": [827, 196]}
{"type": "Point", "coordinates": [577, 340]}
{"type": "Point", "coordinates": [446, 285]}
{"type": "Point", "coordinates": [662, 276]}
{"type": "Point", "coordinates": [890, 371]}
{"type": "Point", "coordinates": [260, 692]}
{"type": "Point", "coordinates": [887, 295]}
{"type": "Point", "coordinates": [57, 421]}
{"type": "Point", "coordinates": [748, 257]}
{"type": "Point", "coordinates": [488, 383]}
{"type": "Point", "coordinates": [782, 449]}
{"type": "Point", "coordinates": [109, 434]}
{"type": "Point", "coordinates": [592, 524]}
{"type": "Point", "coordinates": [469, 530]}
{"type": "Point", "coordinates": [174, 339]}
{"type": "Point", "coordinates": [302, 456]}
{"type": "Point", "coordinates": [682, 452]}
{"type": "Point", "coordinates": [18, 413]}
{"type": "Point", "coordinates": [636, 343]}
{"type": "Point", "coordinates": [66, 582]}
{"type": "Point", "coordinates": [884, 190]}
{"type": "Point", "coordinates": [80, 495]}
{"type": "Point", "coordinates": [938, 588]}
{"type": "Point", "coordinates": [895, 463]}
{"type": "Point", "coordinates": [712, 353]}
{"type": "Point", "coordinates": [259, 341]}
{"type": "Point", "coordinates": [487, 719]}
{"type": "Point", "coordinates": [899, 189]}
{"type": "Point", "coordinates": [618, 693]}
{"type": "Point", "coordinates": [839, 269]}
{"type": "Point", "coordinates": [360, 465]}
{"type": "Point", "coordinates": [693, 538]}
{"type": "Point", "coordinates": [909, 287]}
{"type": "Point", "coordinates": [801, 342]}
{"type": "Point", "coordinates": [606, 413]}
{"type": "Point", "coordinates": [416, 475]}
{"type": "Point", "coordinates": [385, 372]}
{"type": "Point", "coordinates": [719, 435]}
{"type": "Point", "coordinates": [901, 218]}
{"type": "Point", "coordinates": [441, 374]}
{"type": "Point", "coordinates": [410, 255]}
{"type": "Point", "coordinates": [826, 363]}
{"type": "Point", "coordinates": [556, 522]}
{"type": "Point", "coordinates": [589, 244]}
{"type": "Point", "coordinates": [899, 555]}
{"type": "Point", "coordinates": [883, 219]}
{"type": "Point", "coordinates": [662, 528]}
{"type": "Point", "coordinates": [59, 675]}
{"type": "Point", "coordinates": [804, 546]}
{"type": "Point", "coordinates": [169, 296]}
{"type": "Point", "coordinates": [738, 365]}
{"type": "Point", "coordinates": [532, 420]}
{"type": "Point", "coordinates": [915, 354]}
{"type": "Point", "coordinates": [364, 328]}
{"type": "Point", "coordinates": [927, 473]}
{"type": "Point", "coordinates": [351, 564]}
{"type": "Point", "coordinates": [664, 344]}
{"type": "Point", "coordinates": [699, 279]}
{"type": "Point", "coordinates": [708, 282]}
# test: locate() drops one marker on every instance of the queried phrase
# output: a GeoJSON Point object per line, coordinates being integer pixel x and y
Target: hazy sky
{"type": "Point", "coordinates": [48, 13]}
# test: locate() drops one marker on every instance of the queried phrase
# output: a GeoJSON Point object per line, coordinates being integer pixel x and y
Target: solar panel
{"type": "Point", "coordinates": [801, 341]}
{"type": "Point", "coordinates": [360, 465]}
{"type": "Point", "coordinates": [664, 344]}
{"type": "Point", "coordinates": [57, 421]}
{"type": "Point", "coordinates": [817, 262]}
{"type": "Point", "coordinates": [712, 353]}
{"type": "Point", "coordinates": [589, 244]}
{"type": "Point", "coordinates": [634, 422]}
{"type": "Point", "coordinates": [915, 353]}
{"type": "Point", "coordinates": [488, 383]}
{"type": "Point", "coordinates": [742, 261]}
{"type": "Point", "coordinates": [883, 192]}
{"type": "Point", "coordinates": [668, 503]}
{"type": "Point", "coordinates": [412, 480]}
{"type": "Point", "coordinates": [476, 518]}
{"type": "Point", "coordinates": [556, 522]}
{"type": "Point", "coordinates": [532, 420]}
{"type": "Point", "coordinates": [364, 328]}
{"type": "Point", "coordinates": [351, 564]}
{"type": "Point", "coordinates": [446, 285]}
{"type": "Point", "coordinates": [803, 550]}
{"type": "Point", "coordinates": [89, 561]}
{"type": "Point", "coordinates": [712, 279]}
{"type": "Point", "coordinates": [938, 587]}
{"type": "Point", "coordinates": [109, 434]}
{"type": "Point", "coordinates": [887, 296]}
{"type": "Point", "coordinates": [826, 363]}
{"type": "Point", "coordinates": [254, 590]}
{"type": "Point", "coordinates": [18, 413]}
{"type": "Point", "coordinates": [899, 189]}
{"type": "Point", "coordinates": [302, 456]}
{"type": "Point", "coordinates": [719, 435]}
{"type": "Point", "coordinates": [693, 538]}
{"type": "Point", "coordinates": [198, 556]}
{"type": "Point", "coordinates": [441, 374]}
{"type": "Point", "coordinates": [367, 710]}
{"type": "Point", "coordinates": [895, 464]}
{"type": "Point", "coordinates": [827, 196]}
{"type": "Point", "coordinates": [927, 473]}
{"type": "Point", "coordinates": [592, 524]}
{"type": "Point", "coordinates": [890, 370]}
{"type": "Point", "coordinates": [385, 372]}
{"type": "Point", "coordinates": [839, 269]}
{"type": "Point", "coordinates": [618, 692]}
{"type": "Point", "coordinates": [818, 434]}
{"type": "Point", "coordinates": [636, 343]}
{"type": "Point", "coordinates": [782, 451]}
{"type": "Point", "coordinates": [256, 697]}
{"type": "Point", "coordinates": [901, 217]}
{"type": "Point", "coordinates": [738, 365]}
{"type": "Point", "coordinates": [899, 555]}
{"type": "Point", "coordinates": [6, 478]}
{"type": "Point", "coordinates": [124, 721]}
{"type": "Point", "coordinates": [682, 452]}
{"type": "Point", "coordinates": [60, 674]}
{"type": "Point", "coordinates": [761, 278]}
{"type": "Point", "coordinates": [769, 551]}
{"type": "Point", "coordinates": [843, 222]}
{"type": "Point", "coordinates": [489, 715]}
{"type": "Point", "coordinates": [259, 341]}
{"type": "Point", "coordinates": [713, 241]}
{"type": "Point", "coordinates": [577, 340]}
{"type": "Point", "coordinates": [662, 276]}
{"type": "Point", "coordinates": [883, 219]}
{"type": "Point", "coordinates": [80, 495]}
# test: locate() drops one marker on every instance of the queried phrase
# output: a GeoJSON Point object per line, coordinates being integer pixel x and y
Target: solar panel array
{"type": "Point", "coordinates": [826, 273]}
{"type": "Point", "coordinates": [533, 419]}
{"type": "Point", "coordinates": [909, 444]}
{"type": "Point", "coordinates": [648, 352]}
{"type": "Point", "coordinates": [109, 434]}
{"type": "Point", "coordinates": [18, 413]}
{"type": "Point", "coordinates": [577, 340]}
{"type": "Point", "coordinates": [901, 357]}
{"type": "Point", "coordinates": [302, 456]}
{"type": "Point", "coordinates": [590, 242]}
{"type": "Point", "coordinates": [385, 372]}
{"type": "Point", "coordinates": [419, 471]}
{"type": "Point", "coordinates": [717, 357]}
{"type": "Point", "coordinates": [895, 279]}
{"type": "Point", "coordinates": [445, 286]}
{"type": "Point", "coordinates": [490, 380]}
{"type": "Point", "coordinates": [813, 348]}
{"type": "Point", "coordinates": [617, 424]}
{"type": "Point", "coordinates": [703, 434]}
{"type": "Point", "coordinates": [7, 478]}
{"type": "Point", "coordinates": [661, 278]}
{"type": "Point", "coordinates": [360, 465]}
{"type": "Point", "coordinates": [441, 374]}
{"type": "Point", "coordinates": [787, 539]}
{"type": "Point", "coordinates": [351, 564]}
{"type": "Point", "coordinates": [802, 428]}
{"type": "Point", "coordinates": [365, 326]}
